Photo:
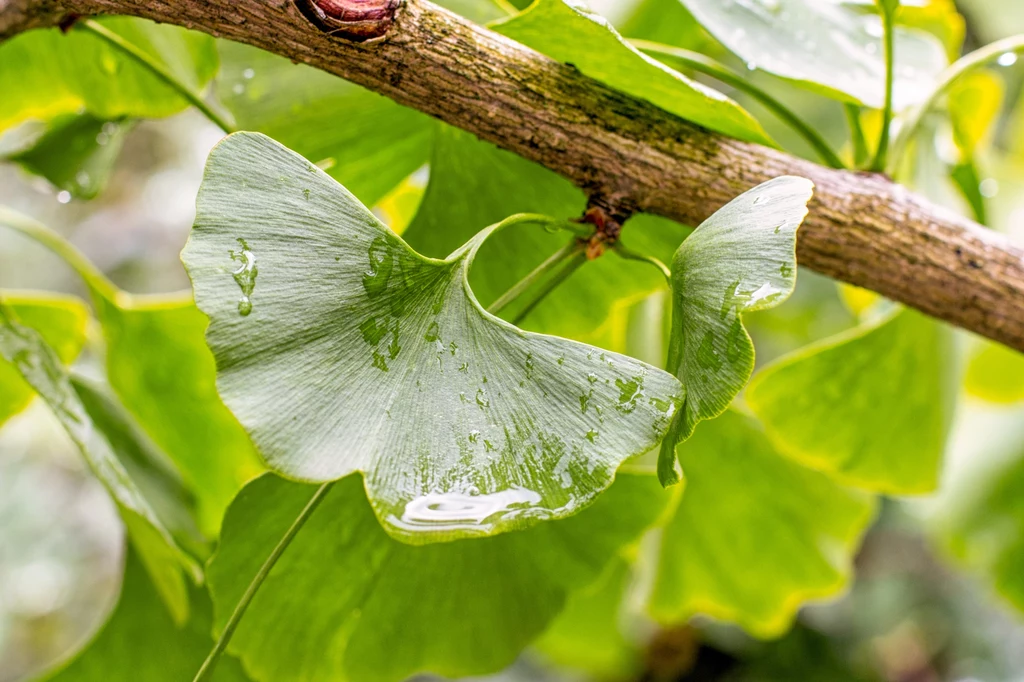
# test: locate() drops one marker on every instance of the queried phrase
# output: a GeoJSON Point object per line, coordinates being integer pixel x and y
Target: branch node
{"type": "Point", "coordinates": [607, 216]}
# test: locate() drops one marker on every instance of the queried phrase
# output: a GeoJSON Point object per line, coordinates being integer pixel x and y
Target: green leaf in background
{"type": "Point", "coordinates": [45, 74]}
{"type": "Point", "coordinates": [871, 407]}
{"type": "Point", "coordinates": [76, 153]}
{"type": "Point", "coordinates": [588, 633]}
{"type": "Point", "coordinates": [996, 374]}
{"type": "Point", "coordinates": [938, 17]}
{"type": "Point", "coordinates": [741, 259]}
{"type": "Point", "coordinates": [988, 533]}
{"type": "Point", "coordinates": [140, 642]}
{"type": "Point", "coordinates": [160, 367]}
{"type": "Point", "coordinates": [379, 360]}
{"type": "Point", "coordinates": [348, 602]}
{"type": "Point", "coordinates": [599, 51]}
{"type": "Point", "coordinates": [827, 47]}
{"type": "Point", "coordinates": [755, 535]}
{"type": "Point", "coordinates": [975, 102]}
{"type": "Point", "coordinates": [41, 368]}
{"type": "Point", "coordinates": [469, 187]}
{"type": "Point", "coordinates": [370, 143]}
{"type": "Point", "coordinates": [60, 321]}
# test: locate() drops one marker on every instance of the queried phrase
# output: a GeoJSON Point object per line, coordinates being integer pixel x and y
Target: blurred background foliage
{"type": "Point", "coordinates": [937, 591]}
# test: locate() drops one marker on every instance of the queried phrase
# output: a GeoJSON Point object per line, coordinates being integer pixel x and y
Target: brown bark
{"type": "Point", "coordinates": [862, 229]}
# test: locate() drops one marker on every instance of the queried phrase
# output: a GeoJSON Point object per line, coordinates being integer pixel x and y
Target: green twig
{"type": "Point", "coordinates": [60, 246]}
{"type": "Point", "coordinates": [718, 71]}
{"type": "Point", "coordinates": [538, 273]}
{"type": "Point", "coordinates": [857, 139]}
{"type": "Point", "coordinates": [157, 69]}
{"type": "Point", "coordinates": [889, 39]}
{"type": "Point", "coordinates": [572, 264]}
{"type": "Point", "coordinates": [243, 604]}
{"type": "Point", "coordinates": [980, 57]}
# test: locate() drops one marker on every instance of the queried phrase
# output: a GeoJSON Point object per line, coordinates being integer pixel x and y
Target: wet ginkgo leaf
{"type": "Point", "coordinates": [370, 357]}
{"type": "Point", "coordinates": [741, 259]}
{"type": "Point", "coordinates": [824, 46]}
{"type": "Point", "coordinates": [109, 455]}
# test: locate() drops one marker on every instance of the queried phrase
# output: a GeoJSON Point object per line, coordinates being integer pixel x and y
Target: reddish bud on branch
{"type": "Point", "coordinates": [355, 20]}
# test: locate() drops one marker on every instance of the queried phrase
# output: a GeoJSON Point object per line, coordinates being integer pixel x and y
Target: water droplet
{"type": "Point", "coordinates": [102, 138]}
{"type": "Point", "coordinates": [707, 356]}
{"type": "Point", "coordinates": [245, 276]}
{"type": "Point", "coordinates": [379, 362]}
{"type": "Point", "coordinates": [474, 436]}
{"type": "Point", "coordinates": [529, 365]}
{"type": "Point", "coordinates": [592, 435]}
{"type": "Point", "coordinates": [83, 179]}
{"type": "Point", "coordinates": [63, 196]}
{"type": "Point", "coordinates": [433, 332]}
{"type": "Point", "coordinates": [248, 74]}
{"type": "Point", "coordinates": [238, 89]}
{"type": "Point", "coordinates": [382, 261]}
{"type": "Point", "coordinates": [628, 390]}
{"type": "Point", "coordinates": [592, 378]}
{"type": "Point", "coordinates": [1007, 59]}
{"type": "Point", "coordinates": [453, 348]}
{"type": "Point", "coordinates": [305, 193]}
{"type": "Point", "coordinates": [585, 401]}
{"type": "Point", "coordinates": [560, 361]}
{"type": "Point", "coordinates": [481, 399]}
{"type": "Point", "coordinates": [989, 187]}
{"type": "Point", "coordinates": [786, 270]}
{"type": "Point", "coordinates": [372, 333]}
{"type": "Point", "coordinates": [467, 510]}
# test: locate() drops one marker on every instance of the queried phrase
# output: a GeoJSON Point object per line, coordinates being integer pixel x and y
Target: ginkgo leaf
{"type": "Point", "coordinates": [871, 407]}
{"type": "Point", "coordinates": [60, 320]}
{"type": "Point", "coordinates": [741, 259]}
{"type": "Point", "coordinates": [46, 73]}
{"type": "Point", "coordinates": [755, 535]}
{"type": "Point", "coordinates": [372, 358]}
{"type": "Point", "coordinates": [598, 50]}
{"type": "Point", "coordinates": [76, 153]}
{"type": "Point", "coordinates": [829, 47]}
{"type": "Point", "coordinates": [469, 187]}
{"type": "Point", "coordinates": [41, 368]}
{"type": "Point", "coordinates": [376, 147]}
{"type": "Point", "coordinates": [140, 641]}
{"type": "Point", "coordinates": [348, 602]}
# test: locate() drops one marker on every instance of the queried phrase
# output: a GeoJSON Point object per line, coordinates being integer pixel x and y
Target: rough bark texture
{"type": "Point", "coordinates": [862, 229]}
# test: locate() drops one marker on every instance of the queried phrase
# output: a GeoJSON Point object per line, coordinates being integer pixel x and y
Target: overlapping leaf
{"type": "Point", "coordinates": [107, 455]}
{"type": "Point", "coordinates": [741, 259]}
{"type": "Point", "coordinates": [872, 406]}
{"type": "Point", "coordinates": [599, 51]}
{"type": "Point", "coordinates": [370, 357]}
{"type": "Point", "coordinates": [996, 373]}
{"type": "Point", "coordinates": [755, 535]}
{"type": "Point", "coordinates": [60, 321]}
{"type": "Point", "coordinates": [46, 73]}
{"type": "Point", "coordinates": [825, 46]}
{"type": "Point", "coordinates": [348, 602]}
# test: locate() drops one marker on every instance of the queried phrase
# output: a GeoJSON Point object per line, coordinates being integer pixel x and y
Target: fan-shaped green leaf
{"type": "Point", "coordinates": [60, 320]}
{"type": "Point", "coordinates": [597, 49]}
{"type": "Point", "coordinates": [40, 366]}
{"type": "Point", "coordinates": [370, 357]}
{"type": "Point", "coordinates": [755, 535]}
{"type": "Point", "coordinates": [825, 46]}
{"type": "Point", "coordinates": [871, 406]}
{"type": "Point", "coordinates": [348, 602]}
{"type": "Point", "coordinates": [141, 642]}
{"type": "Point", "coordinates": [46, 73]}
{"type": "Point", "coordinates": [741, 259]}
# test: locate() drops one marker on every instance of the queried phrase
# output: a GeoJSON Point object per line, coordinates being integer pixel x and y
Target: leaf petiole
{"type": "Point", "coordinates": [243, 604]}
{"type": "Point", "coordinates": [720, 72]}
{"type": "Point", "coordinates": [157, 69]}
{"type": "Point", "coordinates": [629, 254]}
{"type": "Point", "coordinates": [888, 11]}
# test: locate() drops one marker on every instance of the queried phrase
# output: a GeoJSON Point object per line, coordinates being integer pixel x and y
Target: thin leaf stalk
{"type": "Point", "coordinates": [206, 671]}
{"type": "Point", "coordinates": [157, 69]}
{"type": "Point", "coordinates": [889, 42]}
{"type": "Point", "coordinates": [720, 72]}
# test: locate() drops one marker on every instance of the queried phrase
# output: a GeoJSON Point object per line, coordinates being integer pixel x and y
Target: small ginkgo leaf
{"type": "Point", "coordinates": [598, 50]}
{"type": "Point", "coordinates": [755, 535]}
{"type": "Point", "coordinates": [996, 373]}
{"type": "Point", "coordinates": [60, 320]}
{"type": "Point", "coordinates": [41, 368]}
{"type": "Point", "coordinates": [348, 602]}
{"type": "Point", "coordinates": [370, 357]}
{"type": "Point", "coordinates": [829, 47]}
{"type": "Point", "coordinates": [871, 406]}
{"type": "Point", "coordinates": [741, 259]}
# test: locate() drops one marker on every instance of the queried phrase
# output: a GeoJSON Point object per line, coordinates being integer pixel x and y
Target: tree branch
{"type": "Point", "coordinates": [863, 229]}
